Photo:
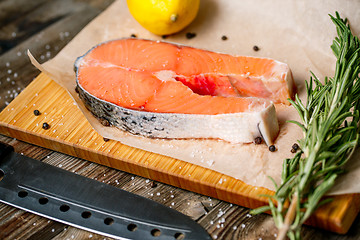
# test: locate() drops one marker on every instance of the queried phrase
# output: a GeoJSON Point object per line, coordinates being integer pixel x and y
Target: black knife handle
{"type": "Point", "coordinates": [5, 149]}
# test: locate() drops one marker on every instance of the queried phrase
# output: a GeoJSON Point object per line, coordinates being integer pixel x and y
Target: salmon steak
{"type": "Point", "coordinates": [162, 90]}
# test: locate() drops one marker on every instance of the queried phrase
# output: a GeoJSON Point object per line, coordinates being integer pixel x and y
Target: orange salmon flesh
{"type": "Point", "coordinates": [162, 77]}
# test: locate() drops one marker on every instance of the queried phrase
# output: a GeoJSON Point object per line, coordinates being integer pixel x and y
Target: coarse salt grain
{"type": "Point", "coordinates": [220, 213]}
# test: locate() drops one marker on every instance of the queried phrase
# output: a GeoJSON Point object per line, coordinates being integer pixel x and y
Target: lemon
{"type": "Point", "coordinates": [164, 17]}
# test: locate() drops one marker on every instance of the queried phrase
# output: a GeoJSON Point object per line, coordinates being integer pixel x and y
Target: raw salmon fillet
{"type": "Point", "coordinates": [163, 90]}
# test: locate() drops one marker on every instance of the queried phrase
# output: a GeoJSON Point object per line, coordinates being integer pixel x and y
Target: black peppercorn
{"type": "Point", "coordinates": [133, 35]}
{"type": "Point", "coordinates": [295, 146]}
{"type": "Point", "coordinates": [153, 184]}
{"type": "Point", "coordinates": [45, 126]}
{"type": "Point", "coordinates": [106, 139]}
{"type": "Point", "coordinates": [258, 140]}
{"type": "Point", "coordinates": [190, 35]}
{"type": "Point", "coordinates": [37, 112]}
{"type": "Point", "coordinates": [224, 38]}
{"type": "Point", "coordinates": [256, 48]}
{"type": "Point", "coordinates": [272, 148]}
{"type": "Point", "coordinates": [164, 36]}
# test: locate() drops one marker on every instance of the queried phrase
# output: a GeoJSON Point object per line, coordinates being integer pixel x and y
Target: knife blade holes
{"type": "Point", "coordinates": [86, 214]}
{"type": "Point", "coordinates": [22, 194]}
{"type": "Point", "coordinates": [179, 236]}
{"type": "Point", "coordinates": [43, 200]}
{"type": "Point", "coordinates": [64, 208]}
{"type": "Point", "coordinates": [108, 221]}
{"type": "Point", "coordinates": [132, 227]}
{"type": "Point", "coordinates": [2, 174]}
{"type": "Point", "coordinates": [155, 232]}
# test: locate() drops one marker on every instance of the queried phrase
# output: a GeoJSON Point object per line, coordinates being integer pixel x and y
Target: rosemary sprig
{"type": "Point", "coordinates": [329, 121]}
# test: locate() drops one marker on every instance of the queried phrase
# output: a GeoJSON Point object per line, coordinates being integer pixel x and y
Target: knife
{"type": "Point", "coordinates": [85, 203]}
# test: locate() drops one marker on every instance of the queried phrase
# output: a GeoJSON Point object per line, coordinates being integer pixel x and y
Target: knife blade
{"type": "Point", "coordinates": [85, 203]}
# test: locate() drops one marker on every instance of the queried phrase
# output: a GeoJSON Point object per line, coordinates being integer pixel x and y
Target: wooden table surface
{"type": "Point", "coordinates": [45, 27]}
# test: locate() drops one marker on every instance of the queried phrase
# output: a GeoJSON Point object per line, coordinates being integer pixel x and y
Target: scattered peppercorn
{"type": "Point", "coordinates": [256, 48]}
{"type": "Point", "coordinates": [164, 36]}
{"type": "Point", "coordinates": [258, 140]}
{"type": "Point", "coordinates": [272, 148]}
{"type": "Point", "coordinates": [133, 36]}
{"type": "Point", "coordinates": [190, 35]}
{"type": "Point", "coordinates": [295, 146]}
{"type": "Point", "coordinates": [37, 112]}
{"type": "Point", "coordinates": [224, 38]}
{"type": "Point", "coordinates": [104, 122]}
{"type": "Point", "coordinates": [45, 126]}
{"type": "Point", "coordinates": [106, 139]}
{"type": "Point", "coordinates": [153, 184]}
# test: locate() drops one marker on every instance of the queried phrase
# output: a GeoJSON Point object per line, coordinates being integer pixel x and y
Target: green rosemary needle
{"type": "Point", "coordinates": [329, 121]}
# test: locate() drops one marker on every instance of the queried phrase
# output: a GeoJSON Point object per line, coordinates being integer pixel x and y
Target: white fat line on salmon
{"type": "Point", "coordinates": [97, 63]}
{"type": "Point", "coordinates": [165, 75]}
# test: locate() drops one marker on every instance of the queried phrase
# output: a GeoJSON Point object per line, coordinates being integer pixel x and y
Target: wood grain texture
{"type": "Point", "coordinates": [43, 34]}
{"type": "Point", "coordinates": [70, 133]}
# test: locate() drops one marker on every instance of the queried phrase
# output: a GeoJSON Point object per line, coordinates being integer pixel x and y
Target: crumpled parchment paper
{"type": "Point", "coordinates": [296, 32]}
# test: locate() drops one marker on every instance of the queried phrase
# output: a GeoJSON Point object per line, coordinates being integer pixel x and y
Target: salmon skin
{"type": "Point", "coordinates": [163, 90]}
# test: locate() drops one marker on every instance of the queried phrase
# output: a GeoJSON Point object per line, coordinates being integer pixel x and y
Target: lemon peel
{"type": "Point", "coordinates": [164, 17]}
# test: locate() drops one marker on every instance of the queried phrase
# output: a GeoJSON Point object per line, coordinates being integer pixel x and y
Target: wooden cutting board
{"type": "Point", "coordinates": [70, 133]}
